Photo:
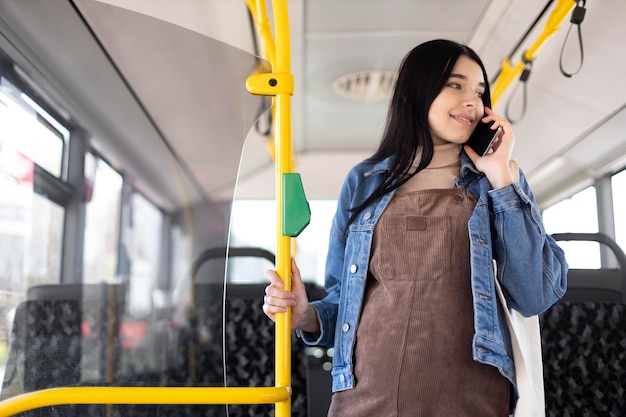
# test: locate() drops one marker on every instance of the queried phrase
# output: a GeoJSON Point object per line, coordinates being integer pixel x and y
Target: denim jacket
{"type": "Point", "coordinates": [505, 225]}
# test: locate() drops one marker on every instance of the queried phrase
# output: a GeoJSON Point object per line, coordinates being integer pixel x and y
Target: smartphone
{"type": "Point", "coordinates": [482, 138]}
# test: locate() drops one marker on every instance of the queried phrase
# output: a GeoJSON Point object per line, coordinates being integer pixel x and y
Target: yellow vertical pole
{"type": "Point", "coordinates": [279, 83]}
{"type": "Point", "coordinates": [283, 165]}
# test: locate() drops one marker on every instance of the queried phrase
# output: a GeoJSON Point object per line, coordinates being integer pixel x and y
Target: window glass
{"type": "Point", "coordinates": [16, 211]}
{"type": "Point", "coordinates": [179, 293]}
{"type": "Point", "coordinates": [181, 255]}
{"type": "Point", "coordinates": [254, 224]}
{"type": "Point", "coordinates": [141, 238]}
{"type": "Point", "coordinates": [618, 184]}
{"type": "Point", "coordinates": [102, 221]}
{"type": "Point", "coordinates": [16, 200]}
{"type": "Point", "coordinates": [26, 127]}
{"type": "Point", "coordinates": [577, 214]}
{"type": "Point", "coordinates": [142, 241]}
{"type": "Point", "coordinates": [30, 239]}
{"type": "Point", "coordinates": [43, 264]}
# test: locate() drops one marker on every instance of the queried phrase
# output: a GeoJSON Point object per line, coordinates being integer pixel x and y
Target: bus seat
{"type": "Point", "coordinates": [60, 338]}
{"type": "Point", "coordinates": [249, 345]}
{"type": "Point", "coordinates": [45, 346]}
{"type": "Point", "coordinates": [253, 360]}
{"type": "Point", "coordinates": [603, 284]}
{"type": "Point", "coordinates": [197, 357]}
{"type": "Point", "coordinates": [584, 340]}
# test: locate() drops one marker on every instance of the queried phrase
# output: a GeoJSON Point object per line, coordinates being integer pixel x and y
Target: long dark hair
{"type": "Point", "coordinates": [422, 75]}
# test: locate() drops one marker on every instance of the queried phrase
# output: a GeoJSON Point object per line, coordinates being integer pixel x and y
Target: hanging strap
{"type": "Point", "coordinates": [578, 15]}
{"type": "Point", "coordinates": [523, 78]}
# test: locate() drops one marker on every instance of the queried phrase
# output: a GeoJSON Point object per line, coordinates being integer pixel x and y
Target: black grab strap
{"type": "Point", "coordinates": [578, 15]}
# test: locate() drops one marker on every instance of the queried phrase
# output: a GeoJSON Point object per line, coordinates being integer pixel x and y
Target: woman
{"type": "Point", "coordinates": [412, 310]}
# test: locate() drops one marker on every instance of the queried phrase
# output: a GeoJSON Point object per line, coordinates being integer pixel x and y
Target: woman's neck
{"type": "Point", "coordinates": [440, 173]}
{"type": "Point", "coordinates": [445, 155]}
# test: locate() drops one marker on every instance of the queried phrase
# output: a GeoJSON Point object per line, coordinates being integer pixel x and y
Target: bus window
{"type": "Point", "coordinates": [31, 225]}
{"type": "Point", "coordinates": [181, 254]}
{"type": "Point", "coordinates": [618, 185]}
{"type": "Point", "coordinates": [576, 214]}
{"type": "Point", "coordinates": [103, 198]}
{"type": "Point", "coordinates": [27, 128]}
{"type": "Point", "coordinates": [141, 237]}
{"type": "Point", "coordinates": [43, 264]}
{"type": "Point", "coordinates": [248, 230]}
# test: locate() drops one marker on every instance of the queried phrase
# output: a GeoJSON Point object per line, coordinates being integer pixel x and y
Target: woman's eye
{"type": "Point", "coordinates": [454, 85]}
{"type": "Point", "coordinates": [480, 94]}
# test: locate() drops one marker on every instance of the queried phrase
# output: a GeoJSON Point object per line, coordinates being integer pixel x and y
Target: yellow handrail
{"type": "Point", "coordinates": [509, 73]}
{"type": "Point", "coordinates": [143, 395]}
{"type": "Point", "coordinates": [279, 84]}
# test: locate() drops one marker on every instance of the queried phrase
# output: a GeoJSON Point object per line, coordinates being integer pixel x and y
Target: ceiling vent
{"type": "Point", "coordinates": [366, 85]}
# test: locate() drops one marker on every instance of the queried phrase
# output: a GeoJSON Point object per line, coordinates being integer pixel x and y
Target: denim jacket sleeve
{"type": "Point", "coordinates": [327, 309]}
{"type": "Point", "coordinates": [519, 242]}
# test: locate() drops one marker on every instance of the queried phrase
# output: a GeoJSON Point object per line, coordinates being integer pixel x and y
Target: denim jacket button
{"type": "Point", "coordinates": [342, 378]}
{"type": "Point", "coordinates": [353, 268]}
{"type": "Point", "coordinates": [345, 327]}
{"type": "Point", "coordinates": [367, 215]}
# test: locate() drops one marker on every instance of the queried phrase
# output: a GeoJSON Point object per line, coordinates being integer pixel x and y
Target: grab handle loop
{"type": "Point", "coordinates": [523, 78]}
{"type": "Point", "coordinates": [578, 15]}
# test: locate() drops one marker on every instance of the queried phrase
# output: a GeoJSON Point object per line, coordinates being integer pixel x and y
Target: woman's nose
{"type": "Point", "coordinates": [473, 100]}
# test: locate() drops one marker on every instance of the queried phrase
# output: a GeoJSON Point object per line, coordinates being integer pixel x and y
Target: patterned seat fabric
{"type": "Point", "coordinates": [60, 342]}
{"type": "Point", "coordinates": [46, 346]}
{"type": "Point", "coordinates": [195, 356]}
{"type": "Point", "coordinates": [46, 352]}
{"type": "Point", "coordinates": [249, 359]}
{"type": "Point", "coordinates": [584, 356]}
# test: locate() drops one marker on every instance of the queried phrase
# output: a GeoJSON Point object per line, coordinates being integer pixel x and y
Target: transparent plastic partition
{"type": "Point", "coordinates": [167, 317]}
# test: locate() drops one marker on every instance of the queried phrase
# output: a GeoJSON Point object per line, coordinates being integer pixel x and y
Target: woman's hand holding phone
{"type": "Point", "coordinates": [483, 138]}
{"type": "Point", "coordinates": [494, 162]}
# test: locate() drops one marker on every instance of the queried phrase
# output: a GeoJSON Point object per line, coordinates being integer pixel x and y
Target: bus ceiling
{"type": "Point", "coordinates": [96, 71]}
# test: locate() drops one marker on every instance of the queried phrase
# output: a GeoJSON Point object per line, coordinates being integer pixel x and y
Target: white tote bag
{"type": "Point", "coordinates": [526, 342]}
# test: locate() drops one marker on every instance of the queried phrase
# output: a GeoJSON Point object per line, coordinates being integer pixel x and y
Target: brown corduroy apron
{"type": "Point", "coordinates": [413, 352]}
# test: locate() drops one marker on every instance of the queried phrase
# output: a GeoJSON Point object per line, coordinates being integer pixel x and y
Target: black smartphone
{"type": "Point", "coordinates": [482, 138]}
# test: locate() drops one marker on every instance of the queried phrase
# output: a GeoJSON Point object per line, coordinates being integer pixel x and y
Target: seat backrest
{"type": "Point", "coordinates": [228, 334]}
{"type": "Point", "coordinates": [60, 331]}
{"type": "Point", "coordinates": [603, 284]}
{"type": "Point", "coordinates": [584, 357]}
{"type": "Point", "coordinates": [249, 345]}
{"type": "Point", "coordinates": [583, 341]}
{"type": "Point", "coordinates": [61, 336]}
{"type": "Point", "coordinates": [45, 348]}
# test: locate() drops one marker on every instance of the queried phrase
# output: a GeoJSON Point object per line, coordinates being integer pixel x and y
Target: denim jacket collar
{"type": "Point", "coordinates": [468, 172]}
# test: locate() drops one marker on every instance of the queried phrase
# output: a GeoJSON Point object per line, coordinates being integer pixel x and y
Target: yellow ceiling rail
{"type": "Point", "coordinates": [259, 13]}
{"type": "Point", "coordinates": [509, 73]}
{"type": "Point", "coordinates": [143, 395]}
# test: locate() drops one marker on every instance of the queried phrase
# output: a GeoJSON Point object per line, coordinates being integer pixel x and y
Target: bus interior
{"type": "Point", "coordinates": [138, 190]}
